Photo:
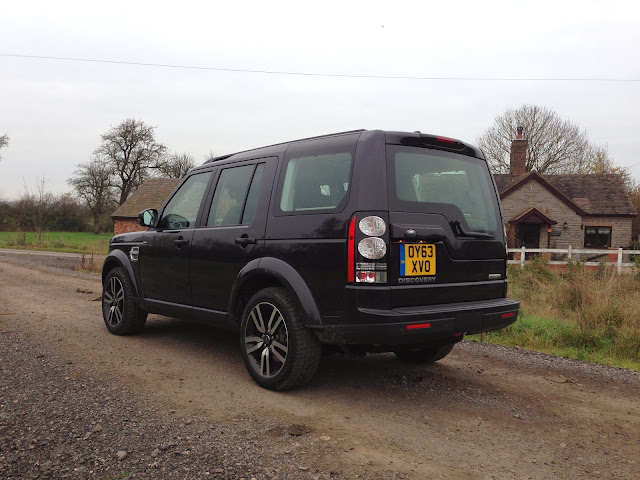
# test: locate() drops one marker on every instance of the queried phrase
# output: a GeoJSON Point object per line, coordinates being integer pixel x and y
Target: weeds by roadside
{"type": "Point", "coordinates": [89, 265]}
{"type": "Point", "coordinates": [585, 314]}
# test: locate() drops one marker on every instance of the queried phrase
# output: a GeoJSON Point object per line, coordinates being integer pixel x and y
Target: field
{"type": "Point", "coordinates": [583, 314]}
{"type": "Point", "coordinates": [72, 242]}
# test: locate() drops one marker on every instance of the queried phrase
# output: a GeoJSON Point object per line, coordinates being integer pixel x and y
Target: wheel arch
{"type": "Point", "coordinates": [272, 272]}
{"type": "Point", "coordinates": [117, 258]}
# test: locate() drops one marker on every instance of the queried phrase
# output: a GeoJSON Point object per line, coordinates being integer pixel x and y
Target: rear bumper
{"type": "Point", "coordinates": [421, 325]}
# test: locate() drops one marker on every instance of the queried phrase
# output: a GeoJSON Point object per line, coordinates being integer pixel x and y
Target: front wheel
{"type": "Point", "coordinates": [425, 355]}
{"type": "Point", "coordinates": [121, 314]}
{"type": "Point", "coordinates": [279, 352]}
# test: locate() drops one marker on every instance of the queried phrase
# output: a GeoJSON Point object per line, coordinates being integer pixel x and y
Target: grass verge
{"type": "Point", "coordinates": [591, 315]}
{"type": "Point", "coordinates": [71, 242]}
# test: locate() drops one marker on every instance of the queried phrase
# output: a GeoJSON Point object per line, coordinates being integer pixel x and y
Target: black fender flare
{"type": "Point", "coordinates": [286, 275]}
{"type": "Point", "coordinates": [121, 259]}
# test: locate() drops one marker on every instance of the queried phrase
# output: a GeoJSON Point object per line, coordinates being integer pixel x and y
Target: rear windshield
{"type": "Point", "coordinates": [431, 181]}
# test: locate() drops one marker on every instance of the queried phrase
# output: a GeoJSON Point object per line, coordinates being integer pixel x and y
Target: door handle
{"type": "Point", "coordinates": [244, 241]}
{"type": "Point", "coordinates": [181, 242]}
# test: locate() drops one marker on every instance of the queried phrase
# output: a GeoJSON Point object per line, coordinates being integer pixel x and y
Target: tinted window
{"type": "Point", "coordinates": [455, 186]}
{"type": "Point", "coordinates": [252, 197]}
{"type": "Point", "coordinates": [316, 182]}
{"type": "Point", "coordinates": [230, 195]}
{"type": "Point", "coordinates": [182, 209]}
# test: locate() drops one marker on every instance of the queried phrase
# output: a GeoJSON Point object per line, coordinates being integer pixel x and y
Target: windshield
{"type": "Point", "coordinates": [431, 181]}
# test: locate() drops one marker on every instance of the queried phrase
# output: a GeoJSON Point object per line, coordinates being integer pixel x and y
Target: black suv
{"type": "Point", "coordinates": [366, 240]}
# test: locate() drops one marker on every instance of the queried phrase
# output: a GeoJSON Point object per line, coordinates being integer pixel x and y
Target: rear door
{"type": "Point", "coordinates": [232, 232]}
{"type": "Point", "coordinates": [445, 228]}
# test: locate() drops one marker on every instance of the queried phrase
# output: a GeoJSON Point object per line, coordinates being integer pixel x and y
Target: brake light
{"type": "Point", "coordinates": [351, 247]}
{"type": "Point", "coordinates": [417, 326]}
{"type": "Point", "coordinates": [445, 140]}
{"type": "Point", "coordinates": [366, 259]}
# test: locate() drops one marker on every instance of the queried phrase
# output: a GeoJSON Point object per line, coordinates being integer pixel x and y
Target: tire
{"type": "Point", "coordinates": [279, 352]}
{"type": "Point", "coordinates": [425, 355]}
{"type": "Point", "coordinates": [120, 313]}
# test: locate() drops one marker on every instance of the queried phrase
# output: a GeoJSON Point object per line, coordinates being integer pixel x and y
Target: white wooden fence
{"type": "Point", "coordinates": [569, 252]}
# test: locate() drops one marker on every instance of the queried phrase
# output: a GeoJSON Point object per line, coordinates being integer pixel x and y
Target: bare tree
{"type": "Point", "coordinates": [4, 141]}
{"type": "Point", "coordinates": [175, 165]}
{"type": "Point", "coordinates": [130, 149]}
{"type": "Point", "coordinates": [210, 156]}
{"type": "Point", "coordinates": [92, 183]}
{"type": "Point", "coordinates": [555, 145]}
{"type": "Point", "coordinates": [34, 207]}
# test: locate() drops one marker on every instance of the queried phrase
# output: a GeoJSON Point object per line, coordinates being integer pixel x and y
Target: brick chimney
{"type": "Point", "coordinates": [518, 159]}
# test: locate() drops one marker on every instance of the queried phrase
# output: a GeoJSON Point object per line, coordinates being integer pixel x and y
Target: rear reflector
{"type": "Point", "coordinates": [351, 247]}
{"type": "Point", "coordinates": [509, 315]}
{"type": "Point", "coordinates": [418, 325]}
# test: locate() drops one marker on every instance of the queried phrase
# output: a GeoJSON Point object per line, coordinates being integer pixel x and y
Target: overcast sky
{"type": "Point", "coordinates": [55, 111]}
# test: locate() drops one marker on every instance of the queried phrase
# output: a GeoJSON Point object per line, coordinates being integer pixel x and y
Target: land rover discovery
{"type": "Point", "coordinates": [372, 241]}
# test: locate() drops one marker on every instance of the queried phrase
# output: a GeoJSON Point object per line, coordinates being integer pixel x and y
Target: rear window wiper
{"type": "Point", "coordinates": [459, 231]}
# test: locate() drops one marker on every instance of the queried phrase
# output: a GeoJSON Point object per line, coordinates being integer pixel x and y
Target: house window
{"type": "Point", "coordinates": [597, 237]}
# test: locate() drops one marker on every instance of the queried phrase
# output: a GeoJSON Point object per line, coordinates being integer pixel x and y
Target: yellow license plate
{"type": "Point", "coordinates": [417, 259]}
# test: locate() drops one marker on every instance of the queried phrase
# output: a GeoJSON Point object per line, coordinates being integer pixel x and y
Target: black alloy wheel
{"type": "Point", "coordinates": [121, 314]}
{"type": "Point", "coordinates": [278, 350]}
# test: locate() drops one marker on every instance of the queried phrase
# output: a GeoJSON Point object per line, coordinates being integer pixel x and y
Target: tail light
{"type": "Point", "coordinates": [367, 250]}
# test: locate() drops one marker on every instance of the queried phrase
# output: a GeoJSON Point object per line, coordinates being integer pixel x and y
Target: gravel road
{"type": "Point", "coordinates": [176, 402]}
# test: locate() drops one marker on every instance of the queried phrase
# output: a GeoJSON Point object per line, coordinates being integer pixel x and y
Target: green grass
{"type": "Point", "coordinates": [583, 314]}
{"type": "Point", "coordinates": [562, 338]}
{"type": "Point", "coordinates": [73, 242]}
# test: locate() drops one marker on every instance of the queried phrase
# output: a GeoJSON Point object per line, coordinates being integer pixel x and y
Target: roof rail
{"type": "Point", "coordinates": [223, 157]}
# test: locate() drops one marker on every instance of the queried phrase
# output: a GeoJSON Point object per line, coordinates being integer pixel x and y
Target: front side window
{"type": "Point", "coordinates": [182, 209]}
{"type": "Point", "coordinates": [597, 237]}
{"type": "Point", "coordinates": [318, 182]}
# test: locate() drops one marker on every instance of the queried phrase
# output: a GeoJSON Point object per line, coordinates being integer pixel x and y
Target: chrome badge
{"type": "Point", "coordinates": [133, 253]}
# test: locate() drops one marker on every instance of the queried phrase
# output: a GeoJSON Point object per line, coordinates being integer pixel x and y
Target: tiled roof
{"type": "Point", "coordinates": [596, 194]}
{"type": "Point", "coordinates": [151, 194]}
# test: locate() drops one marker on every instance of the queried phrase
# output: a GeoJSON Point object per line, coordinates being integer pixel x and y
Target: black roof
{"type": "Point", "coordinates": [392, 137]}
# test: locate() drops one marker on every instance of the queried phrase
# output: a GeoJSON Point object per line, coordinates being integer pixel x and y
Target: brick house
{"type": "Point", "coordinates": [558, 211]}
{"type": "Point", "coordinates": [151, 194]}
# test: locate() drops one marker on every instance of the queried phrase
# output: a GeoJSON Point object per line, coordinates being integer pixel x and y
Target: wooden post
{"type": "Point", "coordinates": [619, 260]}
{"type": "Point", "coordinates": [522, 253]}
{"type": "Point", "coordinates": [569, 253]}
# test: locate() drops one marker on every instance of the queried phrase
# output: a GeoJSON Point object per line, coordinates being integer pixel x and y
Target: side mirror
{"type": "Point", "coordinates": [148, 218]}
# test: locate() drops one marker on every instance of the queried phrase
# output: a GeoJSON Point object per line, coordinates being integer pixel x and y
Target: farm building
{"type": "Point", "coordinates": [151, 194]}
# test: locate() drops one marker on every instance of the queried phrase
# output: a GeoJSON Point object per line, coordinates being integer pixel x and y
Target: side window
{"type": "Point", "coordinates": [237, 187]}
{"type": "Point", "coordinates": [315, 183]}
{"type": "Point", "coordinates": [182, 209]}
{"type": "Point", "coordinates": [252, 197]}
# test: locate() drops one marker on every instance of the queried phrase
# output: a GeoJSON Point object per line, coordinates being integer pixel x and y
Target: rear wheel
{"type": "Point", "coordinates": [425, 355]}
{"type": "Point", "coordinates": [121, 314]}
{"type": "Point", "coordinates": [279, 352]}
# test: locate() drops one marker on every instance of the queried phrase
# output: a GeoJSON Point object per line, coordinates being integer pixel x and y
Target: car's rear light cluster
{"type": "Point", "coordinates": [371, 248]}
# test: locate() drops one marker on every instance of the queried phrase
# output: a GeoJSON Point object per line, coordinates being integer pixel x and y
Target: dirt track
{"type": "Point", "coordinates": [483, 412]}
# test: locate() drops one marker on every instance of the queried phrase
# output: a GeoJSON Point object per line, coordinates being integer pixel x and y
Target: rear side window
{"type": "Point", "coordinates": [236, 195]}
{"type": "Point", "coordinates": [455, 186]}
{"type": "Point", "coordinates": [316, 182]}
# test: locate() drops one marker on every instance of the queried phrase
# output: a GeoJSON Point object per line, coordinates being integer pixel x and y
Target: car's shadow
{"type": "Point", "coordinates": [337, 373]}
